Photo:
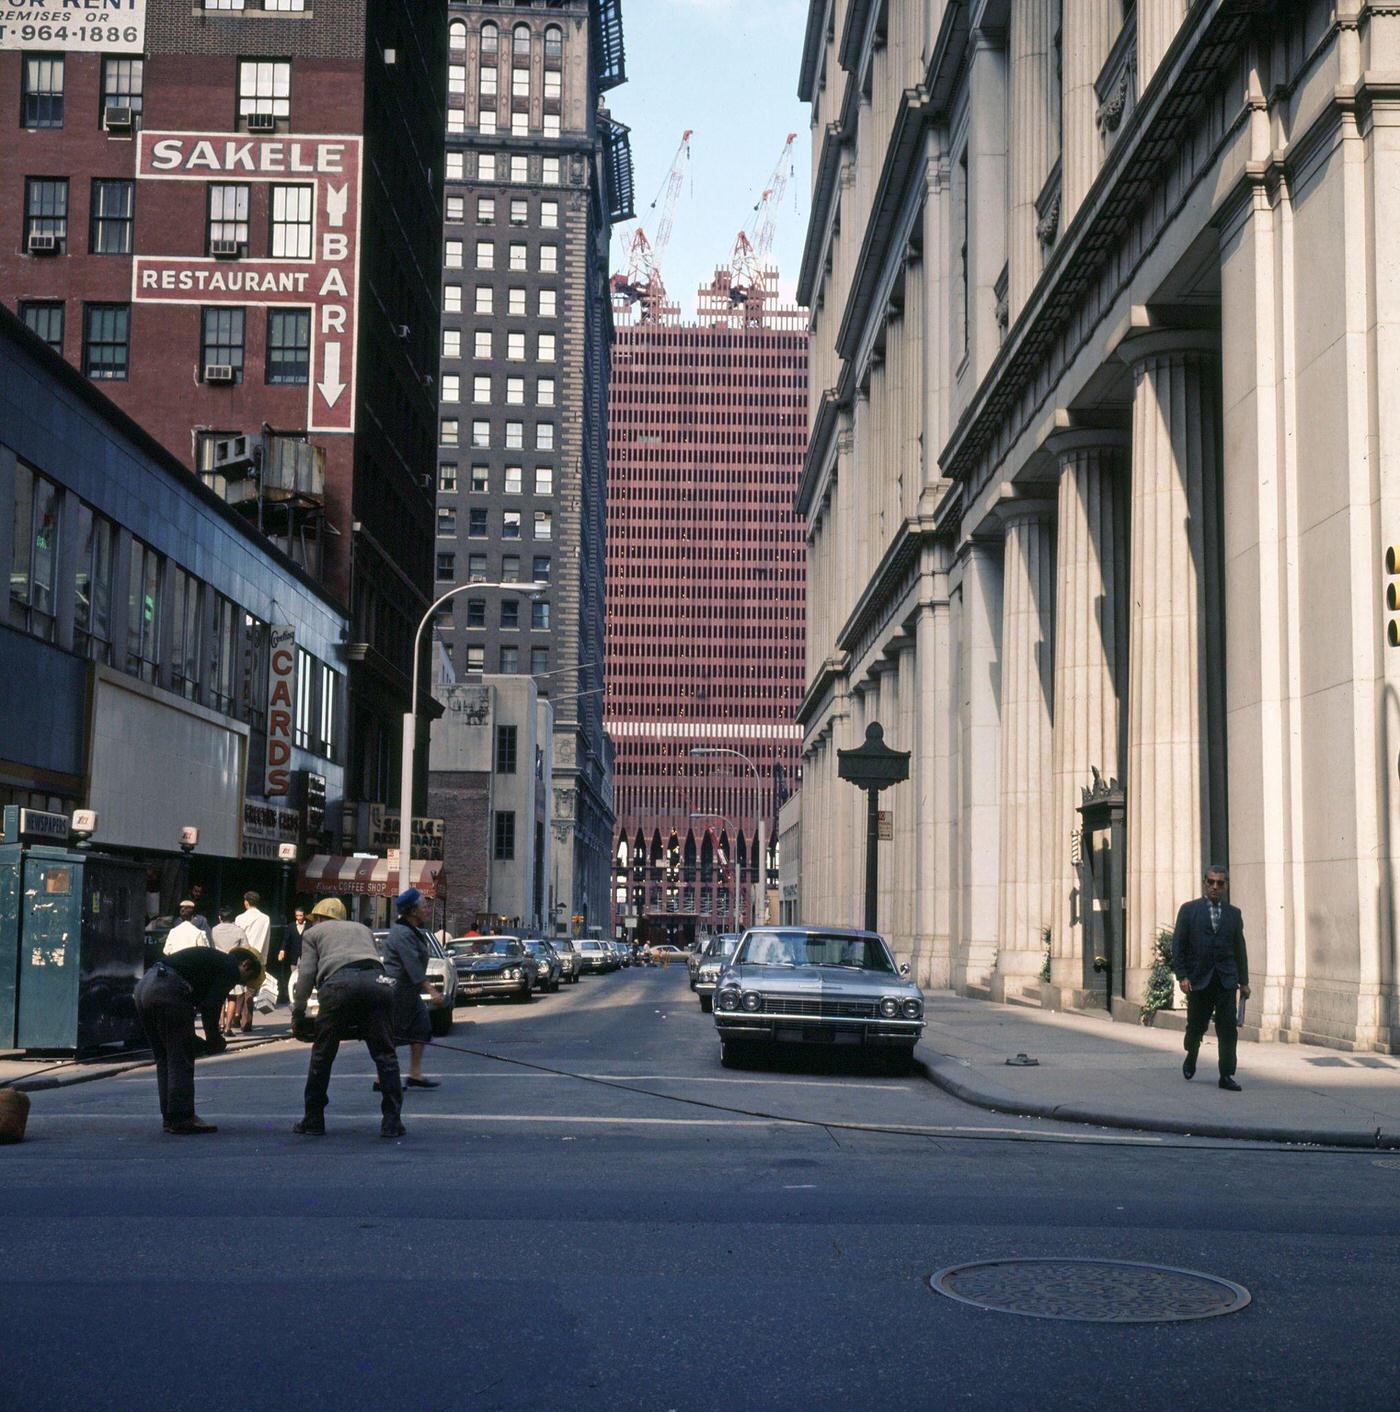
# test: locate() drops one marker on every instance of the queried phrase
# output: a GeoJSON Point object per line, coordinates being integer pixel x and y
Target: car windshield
{"type": "Point", "coordinates": [537, 948]}
{"type": "Point", "coordinates": [722, 946]}
{"type": "Point", "coordinates": [488, 946]}
{"type": "Point", "coordinates": [773, 948]}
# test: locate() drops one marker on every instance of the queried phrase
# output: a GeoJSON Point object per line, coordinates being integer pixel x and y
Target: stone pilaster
{"type": "Point", "coordinates": [1091, 658]}
{"type": "Point", "coordinates": [1175, 745]}
{"type": "Point", "coordinates": [1088, 32]}
{"type": "Point", "coordinates": [1027, 647]}
{"type": "Point", "coordinates": [1157, 24]}
{"type": "Point", "coordinates": [1034, 136]}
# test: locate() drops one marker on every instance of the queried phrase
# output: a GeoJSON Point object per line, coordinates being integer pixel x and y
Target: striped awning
{"type": "Point", "coordinates": [330, 874]}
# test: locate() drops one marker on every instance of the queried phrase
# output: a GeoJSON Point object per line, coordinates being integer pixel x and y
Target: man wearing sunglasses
{"type": "Point", "coordinates": [1209, 959]}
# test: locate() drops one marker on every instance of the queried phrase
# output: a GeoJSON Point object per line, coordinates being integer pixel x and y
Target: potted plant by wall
{"type": "Point", "coordinates": [1160, 990]}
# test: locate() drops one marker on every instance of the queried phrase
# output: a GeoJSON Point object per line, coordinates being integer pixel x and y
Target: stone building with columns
{"type": "Point", "coordinates": [1102, 462]}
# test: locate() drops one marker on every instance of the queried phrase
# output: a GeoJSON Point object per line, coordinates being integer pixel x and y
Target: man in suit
{"type": "Point", "coordinates": [1209, 959]}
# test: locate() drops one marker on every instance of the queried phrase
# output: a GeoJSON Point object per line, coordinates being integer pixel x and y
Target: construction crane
{"type": "Point", "coordinates": [642, 282]}
{"type": "Point", "coordinates": [753, 245]}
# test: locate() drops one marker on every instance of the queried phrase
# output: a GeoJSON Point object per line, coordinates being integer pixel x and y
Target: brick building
{"type": "Point", "coordinates": [706, 585]}
{"type": "Point", "coordinates": [537, 172]}
{"type": "Point", "coordinates": [227, 214]}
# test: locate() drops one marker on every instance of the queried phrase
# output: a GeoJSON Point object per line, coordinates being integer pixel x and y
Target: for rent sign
{"type": "Point", "coordinates": [74, 25]}
{"type": "Point", "coordinates": [326, 282]}
{"type": "Point", "coordinates": [281, 701]}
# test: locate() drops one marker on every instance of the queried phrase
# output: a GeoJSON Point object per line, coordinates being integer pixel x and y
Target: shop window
{"type": "Point", "coordinates": [34, 548]}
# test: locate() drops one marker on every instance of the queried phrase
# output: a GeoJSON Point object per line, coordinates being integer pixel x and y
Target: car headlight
{"type": "Point", "coordinates": [889, 1007]}
{"type": "Point", "coordinates": [752, 1001]}
{"type": "Point", "coordinates": [513, 974]}
{"type": "Point", "coordinates": [729, 1000]}
{"type": "Point", "coordinates": [912, 1008]}
{"type": "Point", "coordinates": [708, 973]}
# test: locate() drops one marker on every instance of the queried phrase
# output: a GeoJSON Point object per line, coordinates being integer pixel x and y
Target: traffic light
{"type": "Point", "coordinates": [1392, 593]}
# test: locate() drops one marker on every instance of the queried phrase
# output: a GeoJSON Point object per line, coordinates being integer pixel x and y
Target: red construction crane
{"type": "Point", "coordinates": [753, 246]}
{"type": "Point", "coordinates": [642, 281]}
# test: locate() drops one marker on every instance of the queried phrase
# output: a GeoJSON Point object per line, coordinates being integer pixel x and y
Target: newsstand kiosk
{"type": "Point", "coordinates": [71, 938]}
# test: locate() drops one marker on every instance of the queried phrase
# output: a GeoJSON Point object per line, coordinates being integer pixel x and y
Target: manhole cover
{"type": "Point", "coordinates": [1101, 1291]}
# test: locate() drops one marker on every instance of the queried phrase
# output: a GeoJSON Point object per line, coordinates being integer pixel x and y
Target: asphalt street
{"type": "Point", "coordinates": [643, 1229]}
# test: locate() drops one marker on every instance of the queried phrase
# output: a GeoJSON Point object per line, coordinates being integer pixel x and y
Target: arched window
{"type": "Point", "coordinates": [457, 35]}
{"type": "Point", "coordinates": [489, 34]}
{"type": "Point", "coordinates": [522, 41]}
{"type": "Point", "coordinates": [553, 45]}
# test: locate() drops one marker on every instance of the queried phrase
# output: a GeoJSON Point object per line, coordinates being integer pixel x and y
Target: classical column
{"type": "Point", "coordinates": [1157, 24]}
{"type": "Point", "coordinates": [1175, 785]}
{"type": "Point", "coordinates": [1087, 34]}
{"type": "Point", "coordinates": [1034, 136]}
{"type": "Point", "coordinates": [1027, 645]}
{"type": "Point", "coordinates": [906, 801]}
{"type": "Point", "coordinates": [1091, 658]}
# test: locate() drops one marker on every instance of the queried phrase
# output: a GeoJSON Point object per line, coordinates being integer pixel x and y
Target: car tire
{"type": "Point", "coordinates": [707, 1004]}
{"type": "Point", "coordinates": [526, 995]}
{"type": "Point", "coordinates": [441, 1020]}
{"type": "Point", "coordinates": [736, 1054]}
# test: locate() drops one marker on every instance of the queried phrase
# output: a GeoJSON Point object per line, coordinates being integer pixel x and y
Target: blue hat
{"type": "Point", "coordinates": [406, 901]}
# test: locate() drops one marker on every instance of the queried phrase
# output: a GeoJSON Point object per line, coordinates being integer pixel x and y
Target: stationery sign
{"type": "Point", "coordinates": [74, 26]}
{"type": "Point", "coordinates": [281, 699]}
{"type": "Point", "coordinates": [326, 281]}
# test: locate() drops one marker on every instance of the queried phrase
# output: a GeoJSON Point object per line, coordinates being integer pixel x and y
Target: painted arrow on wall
{"type": "Point", "coordinates": [330, 386]}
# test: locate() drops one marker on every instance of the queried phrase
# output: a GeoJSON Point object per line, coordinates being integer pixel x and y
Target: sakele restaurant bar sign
{"type": "Point", "coordinates": [74, 26]}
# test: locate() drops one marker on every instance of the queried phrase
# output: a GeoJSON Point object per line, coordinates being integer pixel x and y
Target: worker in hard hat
{"type": "Point", "coordinates": [340, 962]}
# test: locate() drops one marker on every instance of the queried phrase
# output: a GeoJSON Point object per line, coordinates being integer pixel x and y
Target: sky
{"type": "Point", "coordinates": [727, 69]}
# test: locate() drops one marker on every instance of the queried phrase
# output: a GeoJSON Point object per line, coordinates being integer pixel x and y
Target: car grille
{"type": "Point", "coordinates": [828, 1009]}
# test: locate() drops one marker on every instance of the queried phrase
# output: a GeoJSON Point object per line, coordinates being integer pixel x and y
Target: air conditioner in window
{"type": "Point", "coordinates": [43, 245]}
{"type": "Point", "coordinates": [224, 249]}
{"type": "Point", "coordinates": [218, 372]}
{"type": "Point", "coordinates": [118, 117]}
{"type": "Point", "coordinates": [262, 122]}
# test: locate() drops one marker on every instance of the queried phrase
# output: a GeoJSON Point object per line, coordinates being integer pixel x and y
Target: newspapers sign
{"type": "Point", "coordinates": [74, 26]}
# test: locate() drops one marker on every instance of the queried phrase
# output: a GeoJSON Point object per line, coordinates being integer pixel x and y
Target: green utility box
{"type": "Point", "coordinates": [71, 947]}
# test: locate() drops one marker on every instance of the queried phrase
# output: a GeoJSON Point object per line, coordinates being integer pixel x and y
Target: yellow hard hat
{"type": "Point", "coordinates": [247, 953]}
{"type": "Point", "coordinates": [331, 908]}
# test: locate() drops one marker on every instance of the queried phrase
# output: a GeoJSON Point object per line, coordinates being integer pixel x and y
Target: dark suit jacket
{"type": "Point", "coordinates": [1198, 953]}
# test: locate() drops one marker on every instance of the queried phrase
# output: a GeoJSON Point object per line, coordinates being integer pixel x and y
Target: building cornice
{"type": "Point", "coordinates": [813, 41]}
{"type": "Point", "coordinates": [823, 185]}
{"type": "Point", "coordinates": [901, 555]}
{"type": "Point", "coordinates": [814, 461]}
{"type": "Point", "coordinates": [827, 675]}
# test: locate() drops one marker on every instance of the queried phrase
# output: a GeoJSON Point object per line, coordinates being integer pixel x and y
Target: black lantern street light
{"type": "Point", "coordinates": [873, 767]}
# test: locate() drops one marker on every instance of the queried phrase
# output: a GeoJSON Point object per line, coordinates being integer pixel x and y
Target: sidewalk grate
{"type": "Point", "coordinates": [1096, 1291]}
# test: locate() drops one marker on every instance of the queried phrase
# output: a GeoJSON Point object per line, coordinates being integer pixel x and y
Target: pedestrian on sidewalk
{"type": "Point", "coordinates": [340, 962]}
{"type": "Point", "coordinates": [1210, 962]}
{"type": "Point", "coordinates": [228, 934]}
{"type": "Point", "coordinates": [198, 978]}
{"type": "Point", "coordinates": [256, 925]}
{"type": "Point", "coordinates": [289, 955]}
{"type": "Point", "coordinates": [186, 932]}
{"type": "Point", "coordinates": [406, 952]}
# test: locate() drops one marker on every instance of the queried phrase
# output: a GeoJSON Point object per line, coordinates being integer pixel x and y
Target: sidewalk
{"type": "Point", "coordinates": [1092, 1070]}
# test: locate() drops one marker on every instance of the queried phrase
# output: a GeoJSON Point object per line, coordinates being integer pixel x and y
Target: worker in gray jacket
{"type": "Point", "coordinates": [340, 962]}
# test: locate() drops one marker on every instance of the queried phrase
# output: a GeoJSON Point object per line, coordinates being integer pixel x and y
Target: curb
{"type": "Point", "coordinates": [1372, 1140]}
{"type": "Point", "coordinates": [42, 1083]}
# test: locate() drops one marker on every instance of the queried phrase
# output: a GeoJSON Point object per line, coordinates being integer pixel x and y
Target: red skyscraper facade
{"type": "Point", "coordinates": [706, 579]}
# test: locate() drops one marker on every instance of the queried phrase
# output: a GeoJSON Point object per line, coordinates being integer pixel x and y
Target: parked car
{"type": "Point", "coordinates": [494, 965]}
{"type": "Point", "coordinates": [442, 972]}
{"type": "Point", "coordinates": [570, 958]}
{"type": "Point", "coordinates": [547, 959]}
{"type": "Point", "coordinates": [624, 953]}
{"type": "Point", "coordinates": [712, 961]}
{"type": "Point", "coordinates": [596, 957]}
{"type": "Point", "coordinates": [820, 986]}
{"type": "Point", "coordinates": [664, 955]}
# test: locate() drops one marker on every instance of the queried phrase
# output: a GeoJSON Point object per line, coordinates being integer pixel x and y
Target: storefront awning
{"type": "Point", "coordinates": [331, 875]}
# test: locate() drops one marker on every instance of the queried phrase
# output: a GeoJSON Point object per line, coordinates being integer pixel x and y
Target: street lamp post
{"type": "Point", "coordinates": [761, 895]}
{"type": "Point", "coordinates": [733, 834]}
{"type": "Point", "coordinates": [410, 720]}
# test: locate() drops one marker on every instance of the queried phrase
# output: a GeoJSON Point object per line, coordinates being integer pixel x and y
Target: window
{"type": "Point", "coordinates": [507, 743]}
{"type": "Point", "coordinates": [451, 387]}
{"type": "Point", "coordinates": [476, 612]}
{"type": "Point", "coordinates": [549, 304]}
{"type": "Point", "coordinates": [510, 568]}
{"type": "Point", "coordinates": [520, 83]}
{"type": "Point", "coordinates": [452, 343]}
{"type": "Point", "coordinates": [539, 568]}
{"type": "Point", "coordinates": [186, 647]}
{"type": "Point", "coordinates": [510, 524]}
{"type": "Point", "coordinates": [221, 341]}
{"type": "Point", "coordinates": [446, 522]}
{"type": "Point", "coordinates": [291, 223]}
{"type": "Point", "coordinates": [545, 392]}
{"type": "Point", "coordinates": [288, 345]}
{"type": "Point", "coordinates": [476, 568]}
{"type": "Point", "coordinates": [476, 523]}
{"type": "Point", "coordinates": [549, 258]}
{"type": "Point", "coordinates": [452, 299]}
{"type": "Point", "coordinates": [330, 694]}
{"type": "Point", "coordinates": [519, 124]}
{"type": "Point", "coordinates": [515, 347]}
{"type": "Point", "coordinates": [544, 481]}
{"type": "Point", "coordinates": [484, 300]}
{"type": "Point", "coordinates": [456, 166]}
{"type": "Point", "coordinates": [228, 216]}
{"type": "Point", "coordinates": [509, 659]}
{"type": "Point", "coordinates": [481, 343]}
{"type": "Point", "coordinates": [519, 169]}
{"type": "Point", "coordinates": [539, 661]}
{"type": "Point", "coordinates": [447, 431]}
{"type": "Point", "coordinates": [515, 300]}
{"type": "Point", "coordinates": [515, 436]}
{"type": "Point", "coordinates": [455, 208]}
{"type": "Point", "coordinates": [485, 255]}
{"type": "Point", "coordinates": [447, 477]}
{"type": "Point", "coordinates": [112, 211]}
{"type": "Point", "coordinates": [490, 38]}
{"type": "Point", "coordinates": [221, 655]}
{"type": "Point", "coordinates": [486, 166]}
{"type": "Point", "coordinates": [520, 41]}
{"type": "Point", "coordinates": [452, 254]}
{"type": "Point", "coordinates": [553, 86]}
{"type": "Point", "coordinates": [489, 87]}
{"type": "Point", "coordinates": [481, 434]}
{"type": "Point", "coordinates": [106, 341]}
{"type": "Point", "coordinates": [549, 214]}
{"type": "Point", "coordinates": [41, 95]}
{"type": "Point", "coordinates": [122, 82]}
{"type": "Point", "coordinates": [519, 255]}
{"type": "Point", "coordinates": [485, 120]}
{"type": "Point", "coordinates": [457, 36]}
{"type": "Point", "coordinates": [45, 318]}
{"type": "Point", "coordinates": [546, 346]}
{"type": "Point", "coordinates": [46, 210]}
{"type": "Point", "coordinates": [519, 211]}
{"type": "Point", "coordinates": [446, 567]}
{"type": "Point", "coordinates": [306, 665]}
{"type": "Point", "coordinates": [510, 613]}
{"type": "Point", "coordinates": [503, 831]}
{"type": "Point", "coordinates": [514, 478]}
{"type": "Point", "coordinates": [544, 524]}
{"type": "Point", "coordinates": [485, 210]}
{"type": "Point", "coordinates": [264, 90]}
{"type": "Point", "coordinates": [539, 615]}
{"type": "Point", "coordinates": [285, 4]}
{"type": "Point", "coordinates": [515, 392]}
{"type": "Point", "coordinates": [553, 45]}
{"type": "Point", "coordinates": [544, 436]}
{"type": "Point", "coordinates": [143, 612]}
{"type": "Point", "coordinates": [551, 126]}
{"type": "Point", "coordinates": [481, 388]}
{"type": "Point", "coordinates": [456, 78]}
{"type": "Point", "coordinates": [481, 480]}
{"type": "Point", "coordinates": [549, 172]}
{"type": "Point", "coordinates": [476, 658]}
{"type": "Point", "coordinates": [34, 541]}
